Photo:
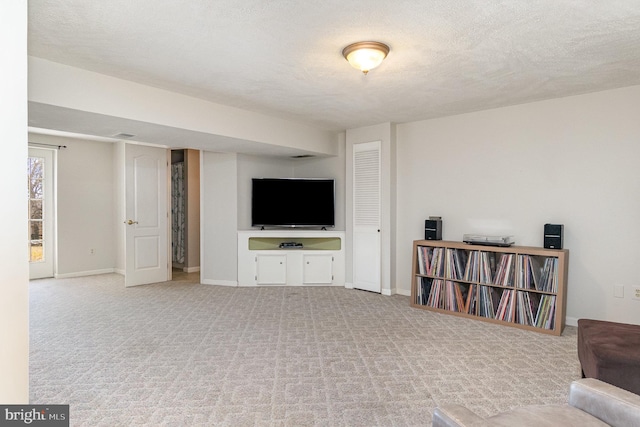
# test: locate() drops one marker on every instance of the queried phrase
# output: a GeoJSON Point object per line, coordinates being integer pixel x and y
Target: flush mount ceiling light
{"type": "Point", "coordinates": [365, 56]}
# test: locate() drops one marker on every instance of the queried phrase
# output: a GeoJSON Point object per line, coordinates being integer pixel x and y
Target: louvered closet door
{"type": "Point", "coordinates": [366, 216]}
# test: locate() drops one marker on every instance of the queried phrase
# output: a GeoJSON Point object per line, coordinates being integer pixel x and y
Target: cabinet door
{"type": "Point", "coordinates": [318, 269]}
{"type": "Point", "coordinates": [271, 269]}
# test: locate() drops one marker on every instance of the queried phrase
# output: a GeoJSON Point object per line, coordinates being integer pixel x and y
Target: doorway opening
{"type": "Point", "coordinates": [185, 214]}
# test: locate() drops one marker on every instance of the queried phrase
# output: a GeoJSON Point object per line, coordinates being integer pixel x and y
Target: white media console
{"type": "Point", "coordinates": [291, 258]}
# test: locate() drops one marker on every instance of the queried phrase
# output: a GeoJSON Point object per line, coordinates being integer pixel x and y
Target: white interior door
{"type": "Point", "coordinates": [146, 235]}
{"type": "Point", "coordinates": [366, 216]}
{"type": "Point", "coordinates": [40, 214]}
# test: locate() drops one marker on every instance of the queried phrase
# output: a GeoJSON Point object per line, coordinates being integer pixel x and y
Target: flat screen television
{"type": "Point", "coordinates": [292, 202]}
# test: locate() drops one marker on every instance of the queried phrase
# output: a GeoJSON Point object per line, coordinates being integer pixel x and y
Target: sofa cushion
{"type": "Point", "coordinates": [610, 352]}
{"type": "Point", "coordinates": [545, 415]}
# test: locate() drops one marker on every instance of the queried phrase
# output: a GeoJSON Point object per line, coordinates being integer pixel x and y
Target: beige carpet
{"type": "Point", "coordinates": [180, 353]}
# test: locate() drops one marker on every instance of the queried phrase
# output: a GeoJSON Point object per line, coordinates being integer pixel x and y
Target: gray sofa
{"type": "Point", "coordinates": [591, 403]}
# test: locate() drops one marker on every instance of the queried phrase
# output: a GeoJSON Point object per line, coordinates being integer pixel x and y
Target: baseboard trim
{"type": "Point", "coordinates": [571, 321]}
{"type": "Point", "coordinates": [219, 282]}
{"type": "Point", "coordinates": [191, 269]}
{"type": "Point", "coordinates": [403, 292]}
{"type": "Point", "coordinates": [119, 271]}
{"type": "Point", "coordinates": [386, 292]}
{"type": "Point", "coordinates": [85, 273]}
{"type": "Point", "coordinates": [348, 285]}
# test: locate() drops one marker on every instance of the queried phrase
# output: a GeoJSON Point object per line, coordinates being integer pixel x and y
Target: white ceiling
{"type": "Point", "coordinates": [283, 58]}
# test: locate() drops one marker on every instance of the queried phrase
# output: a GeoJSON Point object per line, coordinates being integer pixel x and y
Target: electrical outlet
{"type": "Point", "coordinates": [636, 293]}
{"type": "Point", "coordinates": [92, 251]}
{"type": "Point", "coordinates": [618, 291]}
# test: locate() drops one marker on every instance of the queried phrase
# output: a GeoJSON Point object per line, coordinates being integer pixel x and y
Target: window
{"type": "Point", "coordinates": [35, 170]}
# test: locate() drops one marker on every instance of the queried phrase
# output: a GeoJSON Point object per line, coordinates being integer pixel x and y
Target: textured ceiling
{"type": "Point", "coordinates": [283, 57]}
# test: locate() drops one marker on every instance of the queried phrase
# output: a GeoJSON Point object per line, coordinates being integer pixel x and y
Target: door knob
{"type": "Point", "coordinates": [131, 222]}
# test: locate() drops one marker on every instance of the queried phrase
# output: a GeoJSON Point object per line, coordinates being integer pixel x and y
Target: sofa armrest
{"type": "Point", "coordinates": [613, 405]}
{"type": "Point", "coordinates": [456, 416]}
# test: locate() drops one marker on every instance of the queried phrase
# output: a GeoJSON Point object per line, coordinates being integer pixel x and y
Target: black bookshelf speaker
{"type": "Point", "coordinates": [553, 236]}
{"type": "Point", "coordinates": [433, 229]}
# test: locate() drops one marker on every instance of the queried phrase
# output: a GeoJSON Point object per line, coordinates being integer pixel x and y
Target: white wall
{"type": "Point", "coordinates": [271, 167]}
{"type": "Point", "coordinates": [328, 167]}
{"type": "Point", "coordinates": [14, 277]}
{"type": "Point", "coordinates": [571, 161]}
{"type": "Point", "coordinates": [257, 167]}
{"type": "Point", "coordinates": [226, 202]}
{"type": "Point", "coordinates": [219, 218]}
{"type": "Point", "coordinates": [89, 207]}
{"type": "Point", "coordinates": [85, 187]}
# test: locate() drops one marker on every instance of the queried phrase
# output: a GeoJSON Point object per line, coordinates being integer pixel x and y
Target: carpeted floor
{"type": "Point", "coordinates": [181, 353]}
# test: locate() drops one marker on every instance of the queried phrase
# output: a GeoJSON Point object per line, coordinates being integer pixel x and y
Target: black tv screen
{"type": "Point", "coordinates": [292, 202]}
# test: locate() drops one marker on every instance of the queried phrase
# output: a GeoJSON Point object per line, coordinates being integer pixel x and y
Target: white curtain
{"type": "Point", "coordinates": [177, 212]}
